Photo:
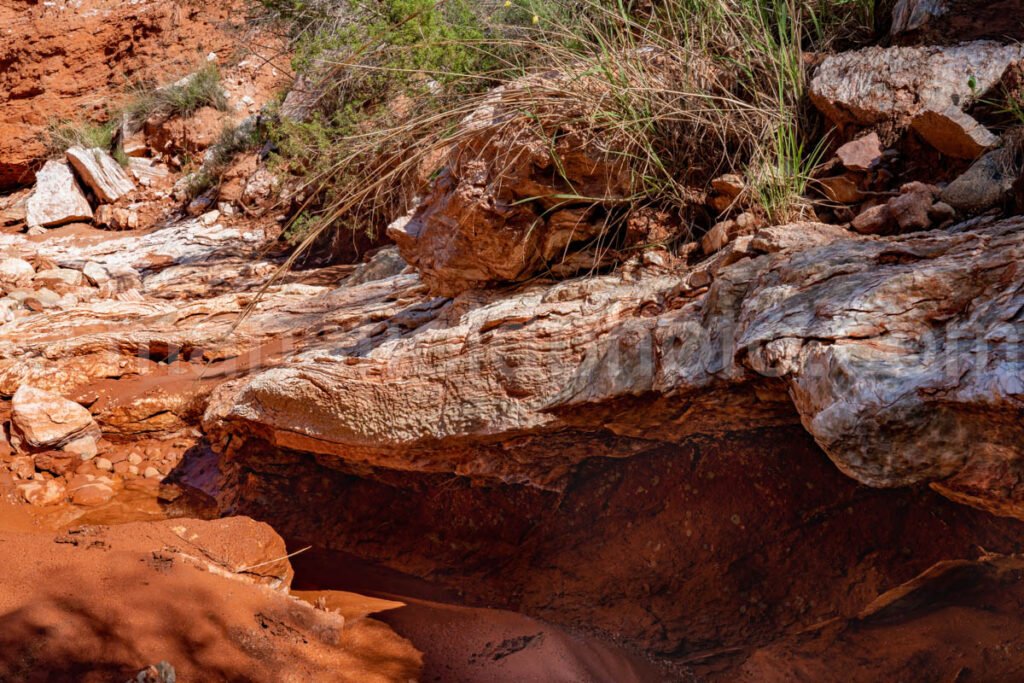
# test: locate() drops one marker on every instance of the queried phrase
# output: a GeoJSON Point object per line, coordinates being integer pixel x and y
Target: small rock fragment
{"type": "Point", "coordinates": [910, 210]}
{"type": "Point", "coordinates": [875, 220]}
{"type": "Point", "coordinates": [42, 419]}
{"type": "Point", "coordinates": [941, 212]}
{"type": "Point", "coordinates": [210, 217]}
{"type": "Point", "coordinates": [861, 154]}
{"type": "Point", "coordinates": [841, 189]}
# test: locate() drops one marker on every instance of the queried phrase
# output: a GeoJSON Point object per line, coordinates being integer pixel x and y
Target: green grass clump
{"type": "Point", "coordinates": [64, 133]}
{"type": "Point", "coordinates": [679, 90]}
{"type": "Point", "coordinates": [201, 89]}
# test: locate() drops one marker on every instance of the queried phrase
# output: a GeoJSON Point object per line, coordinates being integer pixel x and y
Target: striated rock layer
{"type": "Point", "coordinates": [901, 357]}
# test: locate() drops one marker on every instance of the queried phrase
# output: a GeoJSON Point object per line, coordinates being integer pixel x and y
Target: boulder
{"type": "Point", "coordinates": [502, 210]}
{"type": "Point", "coordinates": [55, 462]}
{"type": "Point", "coordinates": [910, 15]}
{"type": "Point", "coordinates": [56, 198]}
{"type": "Point", "coordinates": [14, 269]}
{"type": "Point", "coordinates": [14, 206]}
{"type": "Point", "coordinates": [44, 297]}
{"type": "Point", "coordinates": [93, 493]}
{"type": "Point", "coordinates": [722, 233]}
{"type": "Point", "coordinates": [986, 184]}
{"type": "Point", "coordinates": [387, 262]}
{"type": "Point", "coordinates": [954, 133]}
{"type": "Point", "coordinates": [42, 419]}
{"type": "Point", "coordinates": [874, 220]}
{"type": "Point", "coordinates": [875, 342]}
{"type": "Point", "coordinates": [98, 170]}
{"type": "Point", "coordinates": [925, 87]}
{"type": "Point", "coordinates": [59, 276]}
{"type": "Point", "coordinates": [84, 447]}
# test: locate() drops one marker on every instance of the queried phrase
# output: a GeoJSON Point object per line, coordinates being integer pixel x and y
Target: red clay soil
{"type": "Point", "coordinates": [959, 621]}
{"type": "Point", "coordinates": [701, 554]}
{"type": "Point", "coordinates": [72, 59]}
{"type": "Point", "coordinates": [114, 600]}
{"type": "Point", "coordinates": [471, 644]}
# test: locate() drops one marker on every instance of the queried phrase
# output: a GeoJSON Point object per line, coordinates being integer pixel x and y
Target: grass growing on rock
{"type": "Point", "coordinates": [232, 141]}
{"type": "Point", "coordinates": [198, 90]}
{"type": "Point", "coordinates": [184, 98]}
{"type": "Point", "coordinates": [680, 91]}
{"type": "Point", "coordinates": [62, 134]}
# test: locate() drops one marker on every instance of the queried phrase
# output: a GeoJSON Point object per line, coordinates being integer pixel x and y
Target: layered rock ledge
{"type": "Point", "coordinates": [901, 356]}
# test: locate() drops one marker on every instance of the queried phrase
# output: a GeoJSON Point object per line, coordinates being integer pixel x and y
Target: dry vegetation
{"type": "Point", "coordinates": [680, 91]}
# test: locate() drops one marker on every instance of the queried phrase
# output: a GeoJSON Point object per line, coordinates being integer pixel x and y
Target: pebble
{"type": "Point", "coordinates": [133, 469]}
{"type": "Point", "coordinates": [152, 473]}
{"type": "Point", "coordinates": [134, 459]}
{"type": "Point", "coordinates": [84, 447]}
{"type": "Point", "coordinates": [104, 464]}
{"type": "Point", "coordinates": [92, 494]}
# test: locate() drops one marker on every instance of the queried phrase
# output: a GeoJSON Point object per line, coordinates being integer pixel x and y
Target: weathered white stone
{"type": "Point", "coordinates": [65, 276]}
{"type": "Point", "coordinates": [847, 328]}
{"type": "Point", "coordinates": [43, 419]}
{"type": "Point", "coordinates": [56, 198]}
{"type": "Point", "coordinates": [101, 172]}
{"type": "Point", "coordinates": [14, 269]}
